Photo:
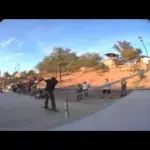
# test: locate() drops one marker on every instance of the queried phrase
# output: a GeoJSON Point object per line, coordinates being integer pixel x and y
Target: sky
{"type": "Point", "coordinates": [27, 41]}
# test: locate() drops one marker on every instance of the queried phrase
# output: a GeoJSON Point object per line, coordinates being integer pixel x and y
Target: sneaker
{"type": "Point", "coordinates": [45, 107]}
{"type": "Point", "coordinates": [54, 109]}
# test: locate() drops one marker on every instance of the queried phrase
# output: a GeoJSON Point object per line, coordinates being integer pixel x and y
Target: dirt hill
{"type": "Point", "coordinates": [97, 79]}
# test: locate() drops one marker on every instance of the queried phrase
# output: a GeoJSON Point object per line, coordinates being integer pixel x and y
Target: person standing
{"type": "Point", "coordinates": [79, 92]}
{"type": "Point", "coordinates": [1, 91]}
{"type": "Point", "coordinates": [50, 86]}
{"type": "Point", "coordinates": [4, 83]}
{"type": "Point", "coordinates": [85, 88]}
{"type": "Point", "coordinates": [18, 87]}
{"type": "Point", "coordinates": [123, 87]}
{"type": "Point", "coordinates": [107, 89]}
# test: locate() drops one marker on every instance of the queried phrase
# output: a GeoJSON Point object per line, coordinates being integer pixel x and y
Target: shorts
{"type": "Point", "coordinates": [79, 93]}
{"type": "Point", "coordinates": [85, 90]}
{"type": "Point", "coordinates": [106, 91]}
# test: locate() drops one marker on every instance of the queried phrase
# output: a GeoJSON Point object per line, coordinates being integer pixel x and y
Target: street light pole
{"type": "Point", "coordinates": [18, 68]}
{"type": "Point", "coordinates": [60, 61]}
{"type": "Point", "coordinates": [141, 39]}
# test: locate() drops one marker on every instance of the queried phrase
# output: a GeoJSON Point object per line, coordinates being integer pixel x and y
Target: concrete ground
{"type": "Point", "coordinates": [130, 113]}
{"type": "Point", "coordinates": [18, 112]}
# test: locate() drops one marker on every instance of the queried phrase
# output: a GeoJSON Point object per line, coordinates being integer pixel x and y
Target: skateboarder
{"type": "Point", "coordinates": [50, 86]}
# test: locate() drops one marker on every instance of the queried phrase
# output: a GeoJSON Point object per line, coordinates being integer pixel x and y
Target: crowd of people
{"type": "Point", "coordinates": [29, 86]}
{"type": "Point", "coordinates": [82, 89]}
{"type": "Point", "coordinates": [26, 86]}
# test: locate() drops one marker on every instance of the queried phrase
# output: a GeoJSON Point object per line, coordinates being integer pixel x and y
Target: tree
{"type": "Point", "coordinates": [63, 57]}
{"type": "Point", "coordinates": [89, 59]}
{"type": "Point", "coordinates": [7, 74]}
{"type": "Point", "coordinates": [31, 72]}
{"type": "Point", "coordinates": [127, 51]}
{"type": "Point", "coordinates": [59, 58]}
{"type": "Point", "coordinates": [14, 73]}
{"type": "Point", "coordinates": [23, 73]}
{"type": "Point", "coordinates": [64, 60]}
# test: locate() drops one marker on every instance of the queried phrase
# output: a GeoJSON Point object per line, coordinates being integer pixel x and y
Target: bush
{"type": "Point", "coordinates": [66, 74]}
{"type": "Point", "coordinates": [130, 70]}
{"type": "Point", "coordinates": [102, 67]}
{"type": "Point", "coordinates": [141, 75]}
{"type": "Point", "coordinates": [136, 83]}
{"type": "Point", "coordinates": [135, 67]}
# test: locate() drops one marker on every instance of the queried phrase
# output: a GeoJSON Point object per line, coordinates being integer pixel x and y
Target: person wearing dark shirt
{"type": "Point", "coordinates": [79, 92]}
{"type": "Point", "coordinates": [123, 87]}
{"type": "Point", "coordinates": [50, 86]}
{"type": "Point", "coordinates": [28, 86]}
{"type": "Point", "coordinates": [1, 91]}
{"type": "Point", "coordinates": [19, 87]}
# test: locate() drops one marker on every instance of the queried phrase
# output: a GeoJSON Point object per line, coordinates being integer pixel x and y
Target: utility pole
{"type": "Point", "coordinates": [141, 39]}
{"type": "Point", "coordinates": [18, 68]}
{"type": "Point", "coordinates": [60, 62]}
{"type": "Point", "coordinates": [56, 72]}
{"type": "Point", "coordinates": [147, 63]}
{"type": "Point", "coordinates": [56, 66]}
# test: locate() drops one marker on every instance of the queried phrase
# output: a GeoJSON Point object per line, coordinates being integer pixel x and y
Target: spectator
{"type": "Point", "coordinates": [123, 87]}
{"type": "Point", "coordinates": [107, 89]}
{"type": "Point", "coordinates": [1, 91]}
{"type": "Point", "coordinates": [79, 92]}
{"type": "Point", "coordinates": [85, 88]}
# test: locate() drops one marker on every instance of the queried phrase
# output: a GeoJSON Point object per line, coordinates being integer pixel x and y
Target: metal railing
{"type": "Point", "coordinates": [127, 78]}
{"type": "Point", "coordinates": [114, 82]}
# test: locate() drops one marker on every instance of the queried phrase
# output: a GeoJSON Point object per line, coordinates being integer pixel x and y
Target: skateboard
{"type": "Point", "coordinates": [51, 109]}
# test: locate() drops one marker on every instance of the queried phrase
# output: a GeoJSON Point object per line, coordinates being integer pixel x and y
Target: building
{"type": "Point", "coordinates": [111, 60]}
{"type": "Point", "coordinates": [17, 75]}
{"type": "Point", "coordinates": [37, 71]}
{"type": "Point", "coordinates": [144, 62]}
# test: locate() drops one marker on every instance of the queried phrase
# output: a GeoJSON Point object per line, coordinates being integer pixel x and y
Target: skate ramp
{"type": "Point", "coordinates": [130, 113]}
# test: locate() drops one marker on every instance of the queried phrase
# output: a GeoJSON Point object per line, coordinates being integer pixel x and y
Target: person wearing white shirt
{"type": "Point", "coordinates": [9, 87]}
{"type": "Point", "coordinates": [85, 88]}
{"type": "Point", "coordinates": [107, 89]}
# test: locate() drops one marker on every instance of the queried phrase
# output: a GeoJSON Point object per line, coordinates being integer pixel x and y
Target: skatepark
{"type": "Point", "coordinates": [22, 113]}
{"type": "Point", "coordinates": [129, 114]}
{"type": "Point", "coordinates": [18, 112]}
{"type": "Point", "coordinates": [105, 54]}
